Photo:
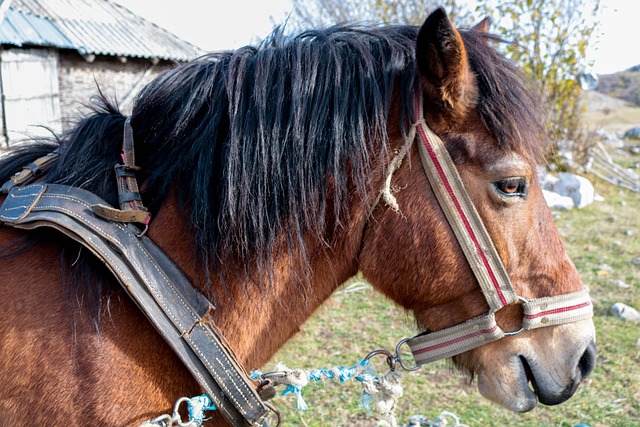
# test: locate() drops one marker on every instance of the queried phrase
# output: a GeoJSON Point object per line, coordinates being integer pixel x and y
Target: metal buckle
{"type": "Point", "coordinates": [510, 334]}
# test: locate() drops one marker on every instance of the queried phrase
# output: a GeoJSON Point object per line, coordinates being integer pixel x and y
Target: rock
{"type": "Point", "coordinates": [565, 157]}
{"type": "Point", "coordinates": [575, 186]}
{"type": "Point", "coordinates": [620, 284]}
{"type": "Point", "coordinates": [633, 133]}
{"type": "Point", "coordinates": [635, 260]}
{"type": "Point", "coordinates": [625, 312]}
{"type": "Point", "coordinates": [605, 267]}
{"type": "Point", "coordinates": [547, 181]}
{"type": "Point", "coordinates": [628, 233]}
{"type": "Point", "coordinates": [556, 201]}
{"type": "Point", "coordinates": [610, 138]}
{"type": "Point", "coordinates": [598, 198]}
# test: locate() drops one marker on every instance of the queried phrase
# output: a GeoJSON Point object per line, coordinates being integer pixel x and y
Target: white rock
{"type": "Point", "coordinates": [605, 267]}
{"type": "Point", "coordinates": [625, 312]}
{"type": "Point", "coordinates": [547, 181]}
{"type": "Point", "coordinates": [558, 202]}
{"type": "Point", "coordinates": [576, 187]}
{"type": "Point", "coordinates": [620, 284]}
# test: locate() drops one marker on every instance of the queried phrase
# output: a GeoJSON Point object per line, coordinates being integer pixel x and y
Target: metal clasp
{"type": "Point", "coordinates": [174, 420]}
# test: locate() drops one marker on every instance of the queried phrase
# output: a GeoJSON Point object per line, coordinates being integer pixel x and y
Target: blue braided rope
{"type": "Point", "coordinates": [196, 407]}
{"type": "Point", "coordinates": [341, 373]}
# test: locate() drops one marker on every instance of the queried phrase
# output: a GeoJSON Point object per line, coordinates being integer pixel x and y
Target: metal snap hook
{"type": "Point", "coordinates": [391, 360]}
{"type": "Point", "coordinates": [176, 414]}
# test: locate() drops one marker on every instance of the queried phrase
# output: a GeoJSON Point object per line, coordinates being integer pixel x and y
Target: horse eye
{"type": "Point", "coordinates": [512, 186]}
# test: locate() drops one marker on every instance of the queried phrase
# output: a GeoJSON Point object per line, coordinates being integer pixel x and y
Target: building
{"type": "Point", "coordinates": [55, 53]}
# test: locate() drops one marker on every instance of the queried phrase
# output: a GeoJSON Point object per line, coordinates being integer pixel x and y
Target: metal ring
{"type": "Point", "coordinates": [510, 334]}
{"type": "Point", "coordinates": [177, 419]}
{"type": "Point", "coordinates": [275, 411]}
{"type": "Point", "coordinates": [398, 358]}
{"type": "Point", "coordinates": [391, 360]}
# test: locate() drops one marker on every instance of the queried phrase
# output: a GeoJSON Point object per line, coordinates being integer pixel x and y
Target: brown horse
{"type": "Point", "coordinates": [260, 167]}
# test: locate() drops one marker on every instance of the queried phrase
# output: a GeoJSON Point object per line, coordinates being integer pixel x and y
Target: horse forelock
{"type": "Point", "coordinates": [508, 104]}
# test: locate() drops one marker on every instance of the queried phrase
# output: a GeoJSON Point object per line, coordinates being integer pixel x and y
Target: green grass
{"type": "Point", "coordinates": [349, 325]}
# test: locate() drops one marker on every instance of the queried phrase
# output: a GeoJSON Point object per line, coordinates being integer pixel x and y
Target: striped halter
{"type": "Point", "coordinates": [484, 261]}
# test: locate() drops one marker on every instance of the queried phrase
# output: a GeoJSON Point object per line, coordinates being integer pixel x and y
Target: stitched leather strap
{"type": "Point", "coordinates": [31, 171]}
{"type": "Point", "coordinates": [178, 311]}
{"type": "Point", "coordinates": [131, 207]}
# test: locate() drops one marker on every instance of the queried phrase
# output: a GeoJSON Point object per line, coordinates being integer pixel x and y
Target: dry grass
{"type": "Point", "coordinates": [611, 114]}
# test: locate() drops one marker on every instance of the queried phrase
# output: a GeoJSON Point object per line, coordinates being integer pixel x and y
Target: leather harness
{"type": "Point", "coordinates": [182, 314]}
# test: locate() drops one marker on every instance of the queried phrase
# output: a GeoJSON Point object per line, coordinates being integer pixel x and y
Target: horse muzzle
{"type": "Point", "coordinates": [550, 392]}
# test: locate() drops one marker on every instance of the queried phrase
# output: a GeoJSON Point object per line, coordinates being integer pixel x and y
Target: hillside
{"type": "Point", "coordinates": [609, 113]}
{"type": "Point", "coordinates": [624, 85]}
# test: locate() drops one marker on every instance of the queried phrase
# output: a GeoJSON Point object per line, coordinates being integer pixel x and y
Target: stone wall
{"type": "Point", "coordinates": [118, 78]}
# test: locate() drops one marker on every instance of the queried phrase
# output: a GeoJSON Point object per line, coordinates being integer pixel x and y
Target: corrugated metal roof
{"type": "Point", "coordinates": [19, 29]}
{"type": "Point", "coordinates": [98, 27]}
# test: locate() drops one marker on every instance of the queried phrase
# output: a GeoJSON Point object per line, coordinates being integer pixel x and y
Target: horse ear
{"type": "Point", "coordinates": [442, 62]}
{"type": "Point", "coordinates": [483, 26]}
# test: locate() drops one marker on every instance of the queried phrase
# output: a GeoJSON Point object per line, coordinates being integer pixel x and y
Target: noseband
{"type": "Point", "coordinates": [484, 260]}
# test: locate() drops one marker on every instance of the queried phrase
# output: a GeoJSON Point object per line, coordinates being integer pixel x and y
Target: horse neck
{"type": "Point", "coordinates": [257, 319]}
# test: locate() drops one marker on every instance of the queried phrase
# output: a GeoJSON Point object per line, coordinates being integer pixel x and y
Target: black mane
{"type": "Point", "coordinates": [266, 144]}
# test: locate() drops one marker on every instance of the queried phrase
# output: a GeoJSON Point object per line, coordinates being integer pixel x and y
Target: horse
{"type": "Point", "coordinates": [260, 168]}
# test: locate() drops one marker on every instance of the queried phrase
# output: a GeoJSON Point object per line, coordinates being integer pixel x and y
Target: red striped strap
{"type": "Point", "coordinates": [462, 215]}
{"type": "Point", "coordinates": [557, 310]}
{"type": "Point", "coordinates": [547, 311]}
{"type": "Point", "coordinates": [455, 340]}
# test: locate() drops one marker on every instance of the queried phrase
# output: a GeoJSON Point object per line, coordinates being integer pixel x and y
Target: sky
{"type": "Point", "coordinates": [229, 24]}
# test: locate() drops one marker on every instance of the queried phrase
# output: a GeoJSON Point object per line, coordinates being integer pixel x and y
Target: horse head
{"type": "Point", "coordinates": [490, 123]}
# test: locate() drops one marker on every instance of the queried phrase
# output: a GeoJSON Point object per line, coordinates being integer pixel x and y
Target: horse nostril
{"type": "Point", "coordinates": [588, 360]}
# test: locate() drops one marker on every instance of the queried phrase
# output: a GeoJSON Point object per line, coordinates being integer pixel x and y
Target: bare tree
{"type": "Point", "coordinates": [318, 13]}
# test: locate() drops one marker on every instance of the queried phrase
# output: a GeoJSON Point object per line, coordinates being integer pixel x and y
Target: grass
{"type": "Point", "coordinates": [351, 324]}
